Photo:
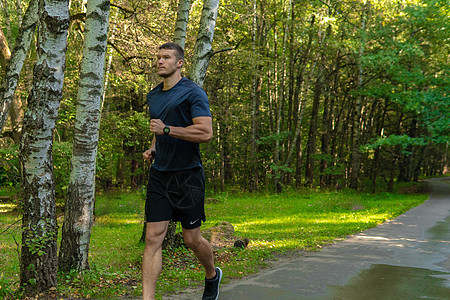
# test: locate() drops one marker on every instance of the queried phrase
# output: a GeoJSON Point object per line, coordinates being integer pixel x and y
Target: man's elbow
{"type": "Point", "coordinates": [207, 138]}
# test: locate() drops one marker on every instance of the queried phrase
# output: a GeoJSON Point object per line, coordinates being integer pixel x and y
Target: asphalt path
{"type": "Point", "coordinates": [406, 258]}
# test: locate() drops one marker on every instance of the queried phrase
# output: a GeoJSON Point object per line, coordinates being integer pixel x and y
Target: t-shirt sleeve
{"type": "Point", "coordinates": [200, 104]}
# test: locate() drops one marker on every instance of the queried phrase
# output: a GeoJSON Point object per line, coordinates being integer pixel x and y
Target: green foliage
{"type": "Point", "coordinates": [38, 238]}
{"type": "Point", "coordinates": [273, 137]}
{"type": "Point", "coordinates": [333, 166]}
{"type": "Point", "coordinates": [404, 141]}
{"type": "Point", "coordinates": [436, 115]}
{"type": "Point", "coordinates": [62, 153]}
{"type": "Point", "coordinates": [280, 55]}
{"type": "Point", "coordinates": [9, 166]}
{"type": "Point", "coordinates": [278, 170]}
{"type": "Point", "coordinates": [123, 139]}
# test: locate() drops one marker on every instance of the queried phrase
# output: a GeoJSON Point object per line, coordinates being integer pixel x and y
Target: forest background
{"type": "Point", "coordinates": [329, 94]}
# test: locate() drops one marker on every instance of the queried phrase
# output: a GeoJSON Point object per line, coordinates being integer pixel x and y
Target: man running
{"type": "Point", "coordinates": [180, 119]}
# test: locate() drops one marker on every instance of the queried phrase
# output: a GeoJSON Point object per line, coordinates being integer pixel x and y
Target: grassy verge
{"type": "Point", "coordinates": [274, 224]}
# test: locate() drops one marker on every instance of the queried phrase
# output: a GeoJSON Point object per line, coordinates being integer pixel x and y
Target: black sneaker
{"type": "Point", "coordinates": [212, 286]}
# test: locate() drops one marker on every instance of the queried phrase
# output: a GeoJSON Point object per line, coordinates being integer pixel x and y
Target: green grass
{"type": "Point", "coordinates": [275, 224]}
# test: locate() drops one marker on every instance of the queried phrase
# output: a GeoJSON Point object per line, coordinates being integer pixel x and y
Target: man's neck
{"type": "Point", "coordinates": [171, 81]}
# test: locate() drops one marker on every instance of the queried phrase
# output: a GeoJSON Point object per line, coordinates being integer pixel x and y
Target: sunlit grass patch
{"type": "Point", "coordinates": [6, 207]}
{"type": "Point", "coordinates": [298, 220]}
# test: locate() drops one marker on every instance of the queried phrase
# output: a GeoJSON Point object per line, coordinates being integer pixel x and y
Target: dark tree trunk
{"type": "Point", "coordinates": [311, 145]}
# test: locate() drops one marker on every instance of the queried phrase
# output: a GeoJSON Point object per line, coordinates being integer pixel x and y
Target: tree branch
{"type": "Point", "coordinates": [78, 17]}
{"type": "Point", "coordinates": [124, 9]}
{"type": "Point", "coordinates": [212, 53]}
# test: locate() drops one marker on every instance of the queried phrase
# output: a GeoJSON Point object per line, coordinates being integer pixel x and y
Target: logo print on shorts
{"type": "Point", "coordinates": [181, 193]}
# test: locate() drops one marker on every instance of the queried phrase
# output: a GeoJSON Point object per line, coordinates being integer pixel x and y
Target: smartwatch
{"type": "Point", "coordinates": [166, 130]}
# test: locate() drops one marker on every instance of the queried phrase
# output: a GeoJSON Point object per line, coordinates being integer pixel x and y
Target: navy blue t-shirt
{"type": "Point", "coordinates": [177, 107]}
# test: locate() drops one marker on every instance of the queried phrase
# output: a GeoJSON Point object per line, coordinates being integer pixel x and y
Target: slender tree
{"type": "Point", "coordinates": [356, 155]}
{"type": "Point", "coordinates": [258, 42]}
{"type": "Point", "coordinates": [179, 36]}
{"type": "Point", "coordinates": [312, 135]}
{"type": "Point", "coordinates": [38, 268]}
{"type": "Point", "coordinates": [203, 46]}
{"type": "Point", "coordinates": [15, 64]}
{"type": "Point", "coordinates": [79, 212]}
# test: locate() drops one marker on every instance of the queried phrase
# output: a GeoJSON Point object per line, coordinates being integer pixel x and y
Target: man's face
{"type": "Point", "coordinates": [167, 63]}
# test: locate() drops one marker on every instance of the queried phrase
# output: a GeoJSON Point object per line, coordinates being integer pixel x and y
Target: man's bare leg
{"type": "Point", "coordinates": [152, 260]}
{"type": "Point", "coordinates": [202, 250]}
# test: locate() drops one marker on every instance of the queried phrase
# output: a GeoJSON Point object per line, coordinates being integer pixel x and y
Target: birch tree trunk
{"type": "Point", "coordinates": [203, 45]}
{"type": "Point", "coordinates": [38, 266]}
{"type": "Point", "coordinates": [18, 55]}
{"type": "Point", "coordinates": [79, 210]}
{"type": "Point", "coordinates": [112, 38]}
{"type": "Point", "coordinates": [181, 24]}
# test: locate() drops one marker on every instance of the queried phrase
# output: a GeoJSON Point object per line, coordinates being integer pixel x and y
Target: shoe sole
{"type": "Point", "coordinates": [220, 279]}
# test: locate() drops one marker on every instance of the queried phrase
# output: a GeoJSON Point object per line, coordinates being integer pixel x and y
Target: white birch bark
{"type": "Point", "coordinates": [79, 210]}
{"type": "Point", "coordinates": [203, 46]}
{"type": "Point", "coordinates": [112, 32]}
{"type": "Point", "coordinates": [18, 56]}
{"type": "Point", "coordinates": [38, 268]}
{"type": "Point", "coordinates": [181, 24]}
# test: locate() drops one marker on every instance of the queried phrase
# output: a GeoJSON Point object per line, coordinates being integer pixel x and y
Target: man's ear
{"type": "Point", "coordinates": [180, 63]}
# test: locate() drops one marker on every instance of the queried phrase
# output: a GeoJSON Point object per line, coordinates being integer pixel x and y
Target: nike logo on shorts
{"type": "Point", "coordinates": [193, 222]}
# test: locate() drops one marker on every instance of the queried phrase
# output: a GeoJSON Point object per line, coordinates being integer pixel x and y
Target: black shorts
{"type": "Point", "coordinates": [177, 196]}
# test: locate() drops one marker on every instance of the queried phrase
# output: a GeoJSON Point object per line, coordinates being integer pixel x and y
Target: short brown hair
{"type": "Point", "coordinates": [179, 52]}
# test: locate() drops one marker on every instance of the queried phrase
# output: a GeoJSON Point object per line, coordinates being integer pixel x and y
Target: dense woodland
{"type": "Point", "coordinates": [322, 93]}
{"type": "Point", "coordinates": [330, 94]}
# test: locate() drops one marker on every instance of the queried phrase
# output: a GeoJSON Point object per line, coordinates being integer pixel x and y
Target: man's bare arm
{"type": "Point", "coordinates": [200, 132]}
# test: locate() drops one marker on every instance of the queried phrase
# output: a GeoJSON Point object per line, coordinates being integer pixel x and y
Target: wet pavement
{"type": "Point", "coordinates": [406, 258]}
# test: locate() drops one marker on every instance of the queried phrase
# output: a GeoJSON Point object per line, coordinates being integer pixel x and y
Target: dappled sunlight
{"type": "Point", "coordinates": [392, 241]}
{"type": "Point", "coordinates": [284, 223]}
{"type": "Point", "coordinates": [305, 230]}
{"type": "Point", "coordinates": [6, 207]}
{"type": "Point", "coordinates": [373, 238]}
{"type": "Point", "coordinates": [116, 220]}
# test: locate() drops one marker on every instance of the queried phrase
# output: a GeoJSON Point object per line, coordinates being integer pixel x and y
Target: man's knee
{"type": "Point", "coordinates": [192, 239]}
{"type": "Point", "coordinates": [155, 233]}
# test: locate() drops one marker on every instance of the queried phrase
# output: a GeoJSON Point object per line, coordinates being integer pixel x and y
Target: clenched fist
{"type": "Point", "coordinates": [157, 126]}
{"type": "Point", "coordinates": [149, 155]}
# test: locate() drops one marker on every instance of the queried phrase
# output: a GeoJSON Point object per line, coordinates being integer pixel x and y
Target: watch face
{"type": "Point", "coordinates": [166, 129]}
